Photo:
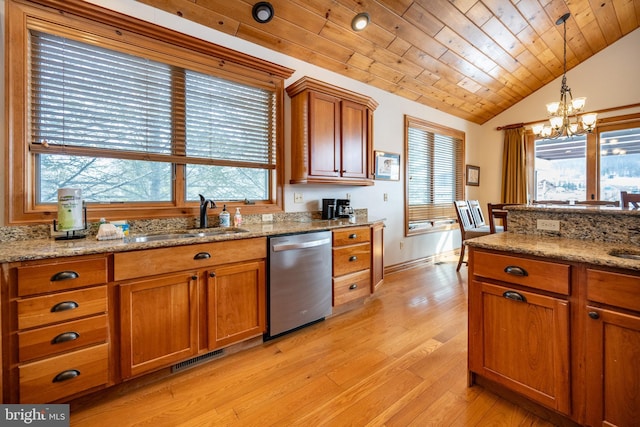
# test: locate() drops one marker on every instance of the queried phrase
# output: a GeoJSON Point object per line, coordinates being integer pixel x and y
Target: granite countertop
{"type": "Point", "coordinates": [573, 209]}
{"type": "Point", "coordinates": [560, 248]}
{"type": "Point", "coordinates": [49, 248]}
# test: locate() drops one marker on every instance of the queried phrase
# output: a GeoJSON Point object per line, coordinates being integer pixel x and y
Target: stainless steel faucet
{"type": "Point", "coordinates": [204, 223]}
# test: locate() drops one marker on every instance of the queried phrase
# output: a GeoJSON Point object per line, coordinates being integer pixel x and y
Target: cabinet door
{"type": "Point", "coordinates": [521, 340]}
{"type": "Point", "coordinates": [158, 322]}
{"type": "Point", "coordinates": [324, 135]}
{"type": "Point", "coordinates": [613, 371]}
{"type": "Point", "coordinates": [354, 140]}
{"type": "Point", "coordinates": [236, 296]}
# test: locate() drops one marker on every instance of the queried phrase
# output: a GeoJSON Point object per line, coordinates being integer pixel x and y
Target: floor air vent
{"type": "Point", "coordinates": [195, 361]}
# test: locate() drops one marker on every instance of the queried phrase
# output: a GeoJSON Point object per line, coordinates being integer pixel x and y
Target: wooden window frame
{"type": "Point", "coordinates": [448, 221]}
{"type": "Point", "coordinates": [592, 154]}
{"type": "Point", "coordinates": [88, 22]}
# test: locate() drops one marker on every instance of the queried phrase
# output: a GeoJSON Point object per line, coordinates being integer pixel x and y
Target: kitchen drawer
{"type": "Point", "coordinates": [352, 286]}
{"type": "Point", "coordinates": [543, 275]}
{"type": "Point", "coordinates": [350, 259]}
{"type": "Point", "coordinates": [66, 336]}
{"type": "Point", "coordinates": [39, 311]}
{"type": "Point", "coordinates": [351, 236]}
{"type": "Point", "coordinates": [620, 290]}
{"type": "Point", "coordinates": [130, 265]}
{"type": "Point", "coordinates": [61, 276]}
{"type": "Point", "coordinates": [38, 382]}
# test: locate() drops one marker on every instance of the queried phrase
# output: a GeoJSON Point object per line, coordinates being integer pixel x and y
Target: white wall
{"type": "Point", "coordinates": [484, 144]}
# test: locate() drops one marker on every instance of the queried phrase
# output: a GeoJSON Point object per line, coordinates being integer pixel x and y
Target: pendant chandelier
{"type": "Point", "coordinates": [563, 116]}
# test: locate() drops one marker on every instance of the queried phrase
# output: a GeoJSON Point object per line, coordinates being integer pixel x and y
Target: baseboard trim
{"type": "Point", "coordinates": [420, 262]}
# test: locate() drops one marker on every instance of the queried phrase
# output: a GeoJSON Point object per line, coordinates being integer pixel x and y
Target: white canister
{"type": "Point", "coordinates": [70, 213]}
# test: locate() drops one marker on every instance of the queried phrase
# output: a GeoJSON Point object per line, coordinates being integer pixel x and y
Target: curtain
{"type": "Point", "coordinates": [514, 172]}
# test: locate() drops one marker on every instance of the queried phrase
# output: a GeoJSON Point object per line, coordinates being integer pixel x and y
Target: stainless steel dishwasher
{"type": "Point", "coordinates": [299, 281]}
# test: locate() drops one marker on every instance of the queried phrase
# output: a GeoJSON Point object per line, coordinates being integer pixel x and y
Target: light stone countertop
{"type": "Point", "coordinates": [559, 248]}
{"type": "Point", "coordinates": [35, 249]}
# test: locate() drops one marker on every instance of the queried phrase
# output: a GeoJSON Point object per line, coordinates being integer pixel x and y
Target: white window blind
{"type": "Point", "coordinates": [435, 174]}
{"type": "Point", "coordinates": [91, 102]}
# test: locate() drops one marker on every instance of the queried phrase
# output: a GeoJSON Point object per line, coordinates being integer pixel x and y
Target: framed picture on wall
{"type": "Point", "coordinates": [387, 166]}
{"type": "Point", "coordinates": [473, 175]}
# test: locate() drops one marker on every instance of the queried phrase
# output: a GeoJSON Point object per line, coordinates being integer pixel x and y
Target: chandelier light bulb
{"type": "Point", "coordinates": [552, 108]}
{"type": "Point", "coordinates": [579, 103]}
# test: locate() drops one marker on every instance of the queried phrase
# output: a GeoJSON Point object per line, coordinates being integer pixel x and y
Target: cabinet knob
{"type": "Point", "coordinates": [64, 306]}
{"type": "Point", "coordinates": [353, 236]}
{"type": "Point", "coordinates": [212, 274]}
{"type": "Point", "coordinates": [64, 275]}
{"type": "Point", "coordinates": [202, 255]}
{"type": "Point", "coordinates": [353, 286]}
{"type": "Point", "coordinates": [353, 258]}
{"type": "Point", "coordinates": [594, 315]}
{"type": "Point", "coordinates": [66, 375]}
{"type": "Point", "coordinates": [194, 277]}
{"type": "Point", "coordinates": [514, 270]}
{"type": "Point", "coordinates": [65, 337]}
{"type": "Point", "coordinates": [515, 296]}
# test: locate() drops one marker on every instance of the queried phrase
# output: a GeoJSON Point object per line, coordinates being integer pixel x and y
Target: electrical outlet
{"type": "Point", "coordinates": [386, 197]}
{"type": "Point", "coordinates": [267, 217]}
{"type": "Point", "coordinates": [348, 196]}
{"type": "Point", "coordinates": [297, 198]}
{"type": "Point", "coordinates": [401, 245]}
{"type": "Point", "coordinates": [548, 225]}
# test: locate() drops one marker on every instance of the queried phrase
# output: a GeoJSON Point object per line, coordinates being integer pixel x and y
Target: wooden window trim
{"type": "Point", "coordinates": [77, 19]}
{"type": "Point", "coordinates": [442, 130]}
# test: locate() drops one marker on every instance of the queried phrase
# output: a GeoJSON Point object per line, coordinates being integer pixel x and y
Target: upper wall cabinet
{"type": "Point", "coordinates": [331, 134]}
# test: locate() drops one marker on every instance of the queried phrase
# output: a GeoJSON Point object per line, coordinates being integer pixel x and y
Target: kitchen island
{"type": "Point", "coordinates": [554, 315]}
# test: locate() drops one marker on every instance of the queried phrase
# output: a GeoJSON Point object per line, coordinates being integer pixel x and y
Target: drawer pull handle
{"type": "Point", "coordinates": [202, 255]}
{"type": "Point", "coordinates": [594, 315]}
{"type": "Point", "coordinates": [353, 258]}
{"type": "Point", "coordinates": [516, 271]}
{"type": "Point", "coordinates": [515, 296]}
{"type": "Point", "coordinates": [353, 286]}
{"type": "Point", "coordinates": [353, 236]}
{"type": "Point", "coordinates": [66, 375]}
{"type": "Point", "coordinates": [64, 306]}
{"type": "Point", "coordinates": [64, 275]}
{"type": "Point", "coordinates": [212, 274]}
{"type": "Point", "coordinates": [65, 337]}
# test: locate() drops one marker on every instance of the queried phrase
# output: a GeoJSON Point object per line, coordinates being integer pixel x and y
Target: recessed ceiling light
{"type": "Point", "coordinates": [262, 12]}
{"type": "Point", "coordinates": [360, 21]}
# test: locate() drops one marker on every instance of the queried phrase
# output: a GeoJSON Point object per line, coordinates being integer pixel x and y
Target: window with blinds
{"type": "Point", "coordinates": [435, 177]}
{"type": "Point", "coordinates": [117, 125]}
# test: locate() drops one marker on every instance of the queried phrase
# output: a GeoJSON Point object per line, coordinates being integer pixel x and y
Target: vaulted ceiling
{"type": "Point", "coordinates": [472, 59]}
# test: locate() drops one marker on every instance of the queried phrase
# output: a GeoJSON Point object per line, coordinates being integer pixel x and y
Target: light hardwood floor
{"type": "Point", "coordinates": [399, 360]}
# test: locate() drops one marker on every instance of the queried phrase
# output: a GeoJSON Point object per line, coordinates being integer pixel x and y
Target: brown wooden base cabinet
{"type": "Point", "coordinates": [564, 335]}
{"type": "Point", "coordinates": [201, 298]}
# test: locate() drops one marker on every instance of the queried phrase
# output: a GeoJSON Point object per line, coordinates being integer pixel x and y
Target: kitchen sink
{"type": "Point", "coordinates": [625, 253]}
{"type": "Point", "coordinates": [142, 238]}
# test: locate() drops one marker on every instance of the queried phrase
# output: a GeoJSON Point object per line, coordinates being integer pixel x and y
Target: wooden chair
{"type": "Point", "coordinates": [497, 211]}
{"type": "Point", "coordinates": [468, 230]}
{"type": "Point", "coordinates": [598, 202]}
{"type": "Point", "coordinates": [631, 200]}
{"type": "Point", "coordinates": [476, 213]}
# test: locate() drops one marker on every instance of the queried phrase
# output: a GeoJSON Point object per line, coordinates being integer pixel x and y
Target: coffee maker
{"type": "Point", "coordinates": [343, 208]}
{"type": "Point", "coordinates": [329, 209]}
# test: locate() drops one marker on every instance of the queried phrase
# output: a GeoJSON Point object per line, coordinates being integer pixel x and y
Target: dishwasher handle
{"type": "Point", "coordinates": [301, 245]}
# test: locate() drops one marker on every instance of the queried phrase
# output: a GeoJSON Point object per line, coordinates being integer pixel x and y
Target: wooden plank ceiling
{"type": "Point", "coordinates": [472, 59]}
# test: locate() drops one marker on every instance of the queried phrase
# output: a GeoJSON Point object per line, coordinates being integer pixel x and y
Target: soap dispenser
{"type": "Point", "coordinates": [225, 218]}
{"type": "Point", "coordinates": [237, 218]}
